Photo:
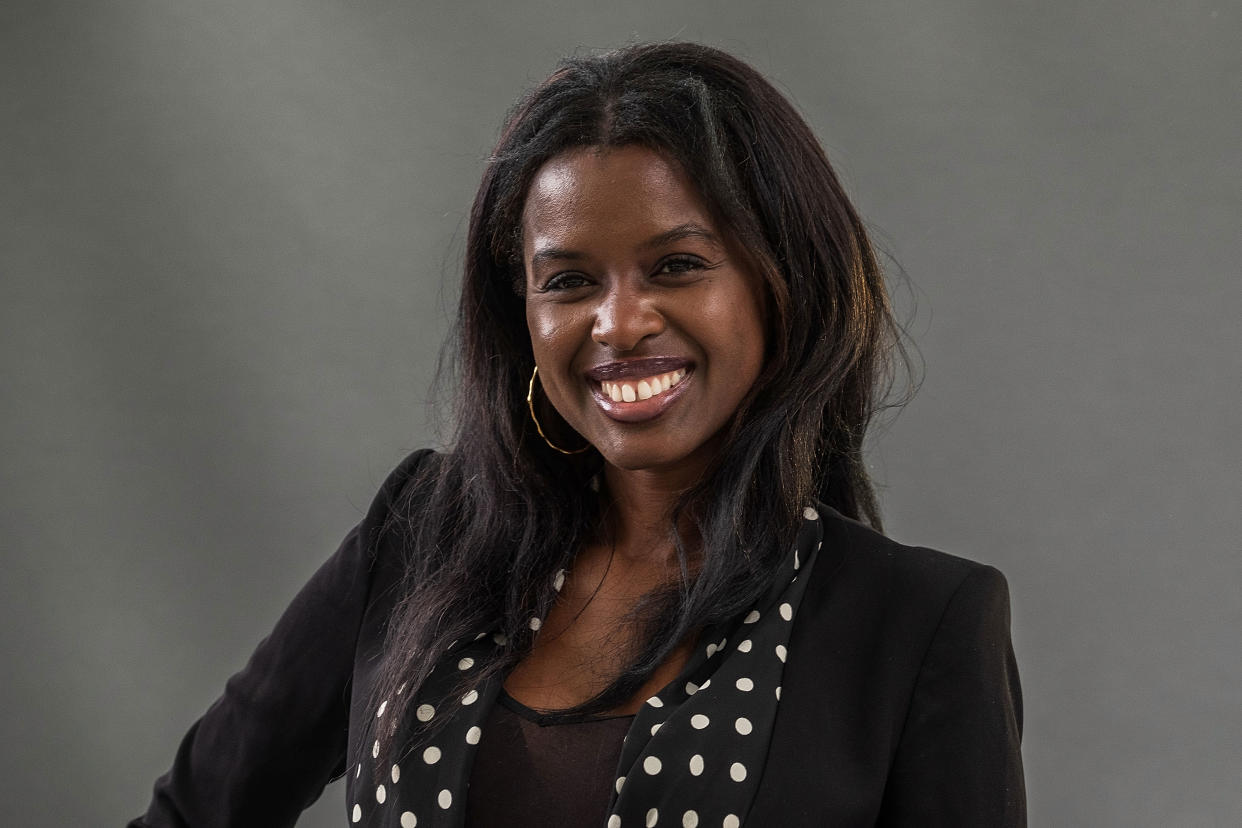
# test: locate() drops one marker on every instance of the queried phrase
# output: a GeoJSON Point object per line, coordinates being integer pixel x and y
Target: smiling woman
{"type": "Point", "coordinates": [647, 326]}
{"type": "Point", "coordinates": [646, 586]}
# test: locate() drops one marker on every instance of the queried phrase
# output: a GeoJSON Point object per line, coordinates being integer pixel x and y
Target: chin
{"type": "Point", "coordinates": [624, 454]}
{"type": "Point", "coordinates": [632, 461]}
{"type": "Point", "coordinates": [670, 457]}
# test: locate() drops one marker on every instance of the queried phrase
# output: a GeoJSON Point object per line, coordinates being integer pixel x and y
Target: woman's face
{"type": "Point", "coordinates": [646, 323]}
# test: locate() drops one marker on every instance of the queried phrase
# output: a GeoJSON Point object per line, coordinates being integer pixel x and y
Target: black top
{"type": "Point", "coordinates": [539, 770]}
{"type": "Point", "coordinates": [900, 701]}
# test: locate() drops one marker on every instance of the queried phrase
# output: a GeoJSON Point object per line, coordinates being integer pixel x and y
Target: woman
{"type": "Point", "coordinates": [645, 587]}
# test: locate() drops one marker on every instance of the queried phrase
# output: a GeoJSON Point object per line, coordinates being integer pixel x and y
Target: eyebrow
{"type": "Point", "coordinates": [688, 230]}
{"type": "Point", "coordinates": [682, 231]}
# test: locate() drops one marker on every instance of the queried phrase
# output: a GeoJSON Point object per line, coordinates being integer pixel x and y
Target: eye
{"type": "Point", "coordinates": [564, 281]}
{"type": "Point", "coordinates": [681, 264]}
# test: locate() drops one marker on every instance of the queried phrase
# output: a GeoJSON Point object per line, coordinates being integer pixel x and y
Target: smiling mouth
{"type": "Point", "coordinates": [637, 390]}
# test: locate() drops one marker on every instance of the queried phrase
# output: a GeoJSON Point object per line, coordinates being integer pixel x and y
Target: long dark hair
{"type": "Point", "coordinates": [488, 524]}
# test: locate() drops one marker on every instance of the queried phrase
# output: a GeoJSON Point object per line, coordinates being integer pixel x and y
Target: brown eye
{"type": "Point", "coordinates": [564, 281]}
{"type": "Point", "coordinates": [681, 264]}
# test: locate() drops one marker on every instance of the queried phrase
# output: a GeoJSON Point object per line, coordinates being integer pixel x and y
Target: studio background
{"type": "Point", "coordinates": [229, 239]}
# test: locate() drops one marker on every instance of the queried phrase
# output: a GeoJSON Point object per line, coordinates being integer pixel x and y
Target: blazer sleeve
{"type": "Point", "coordinates": [958, 761]}
{"type": "Point", "coordinates": [263, 752]}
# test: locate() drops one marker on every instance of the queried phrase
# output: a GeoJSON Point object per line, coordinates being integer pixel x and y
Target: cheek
{"type": "Point", "coordinates": [536, 328]}
{"type": "Point", "coordinates": [742, 339]}
{"type": "Point", "coordinates": [544, 328]}
{"type": "Point", "coordinates": [750, 352]}
{"type": "Point", "coordinates": [554, 343]}
{"type": "Point", "coordinates": [755, 324]}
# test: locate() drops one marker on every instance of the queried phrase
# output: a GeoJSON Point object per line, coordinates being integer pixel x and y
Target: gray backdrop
{"type": "Point", "coordinates": [229, 235]}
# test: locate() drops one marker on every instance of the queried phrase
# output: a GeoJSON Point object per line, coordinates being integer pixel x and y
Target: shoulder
{"type": "Point", "coordinates": [916, 642]}
{"type": "Point", "coordinates": [871, 592]}
{"type": "Point", "coordinates": [901, 654]}
{"type": "Point", "coordinates": [855, 556]}
{"type": "Point", "coordinates": [382, 537]}
{"type": "Point", "coordinates": [880, 618]}
{"type": "Point", "coordinates": [396, 495]}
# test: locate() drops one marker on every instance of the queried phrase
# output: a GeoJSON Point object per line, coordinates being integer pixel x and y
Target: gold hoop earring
{"type": "Point", "coordinates": [530, 403]}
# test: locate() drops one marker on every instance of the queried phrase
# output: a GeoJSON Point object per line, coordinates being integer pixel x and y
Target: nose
{"type": "Point", "coordinates": [626, 315]}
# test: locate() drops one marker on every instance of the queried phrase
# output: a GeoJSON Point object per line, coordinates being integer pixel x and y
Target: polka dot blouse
{"type": "Point", "coordinates": [693, 755]}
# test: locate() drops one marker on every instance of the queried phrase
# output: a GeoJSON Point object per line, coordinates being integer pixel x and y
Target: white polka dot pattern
{"type": "Point", "coordinates": [715, 721]}
{"type": "Point", "coordinates": [692, 757]}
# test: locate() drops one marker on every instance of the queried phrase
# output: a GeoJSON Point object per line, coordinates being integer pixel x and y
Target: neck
{"type": "Point", "coordinates": [640, 513]}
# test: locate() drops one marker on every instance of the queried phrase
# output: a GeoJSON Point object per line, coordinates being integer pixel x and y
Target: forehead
{"type": "Point", "coordinates": [606, 195]}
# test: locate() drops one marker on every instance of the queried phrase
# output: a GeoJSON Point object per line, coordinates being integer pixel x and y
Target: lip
{"type": "Point", "coordinates": [641, 411]}
{"type": "Point", "coordinates": [638, 368]}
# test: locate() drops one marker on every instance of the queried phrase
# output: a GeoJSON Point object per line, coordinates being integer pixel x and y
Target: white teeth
{"type": "Point", "coordinates": [644, 389]}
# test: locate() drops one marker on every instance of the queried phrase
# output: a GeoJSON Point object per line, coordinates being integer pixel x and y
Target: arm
{"type": "Point", "coordinates": [959, 762]}
{"type": "Point", "coordinates": [264, 750]}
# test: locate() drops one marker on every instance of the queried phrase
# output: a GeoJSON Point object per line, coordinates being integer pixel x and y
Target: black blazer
{"type": "Point", "coordinates": [900, 701]}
